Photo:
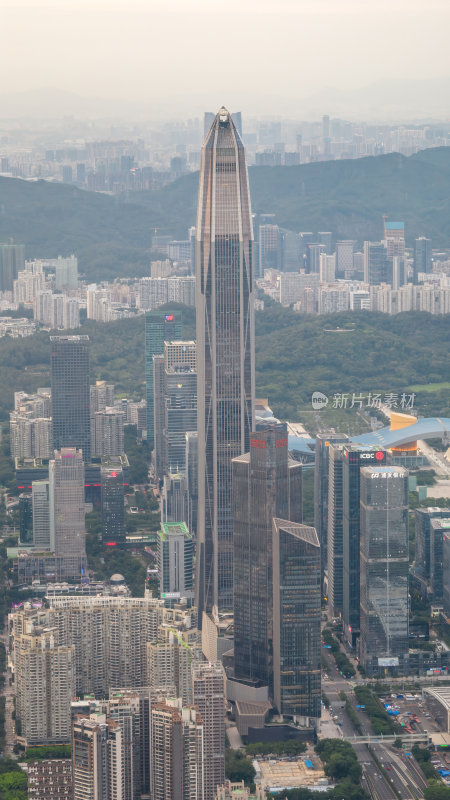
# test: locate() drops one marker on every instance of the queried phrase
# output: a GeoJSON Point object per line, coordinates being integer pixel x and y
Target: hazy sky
{"type": "Point", "coordinates": [220, 49]}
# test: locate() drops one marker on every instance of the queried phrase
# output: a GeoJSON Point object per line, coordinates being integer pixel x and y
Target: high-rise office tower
{"type": "Point", "coordinates": [25, 519]}
{"type": "Point", "coordinates": [67, 509]}
{"type": "Point", "coordinates": [446, 566]}
{"type": "Point", "coordinates": [394, 236]}
{"type": "Point", "coordinates": [97, 758]}
{"type": "Point", "coordinates": [422, 256]}
{"type": "Point", "coordinates": [113, 502]}
{"type": "Point", "coordinates": [69, 369]}
{"type": "Point", "coordinates": [384, 568]}
{"type": "Point", "coordinates": [266, 484]}
{"type": "Point", "coordinates": [335, 539]}
{"type": "Point", "coordinates": [326, 238]}
{"type": "Point", "coordinates": [438, 529]}
{"type": "Point", "coordinates": [377, 265]}
{"type": "Point", "coordinates": [12, 261]}
{"type": "Point", "coordinates": [41, 516]}
{"type": "Point", "coordinates": [354, 459]}
{"type": "Point", "coordinates": [225, 350]}
{"type": "Point", "coordinates": [321, 469]}
{"type": "Point", "coordinates": [313, 253]}
{"type": "Point", "coordinates": [209, 697]}
{"type": "Point", "coordinates": [269, 240]}
{"type": "Point", "coordinates": [296, 620]}
{"type": "Point", "coordinates": [175, 561]}
{"type": "Point", "coordinates": [192, 480]}
{"type": "Point", "coordinates": [423, 519]}
{"type": "Point", "coordinates": [159, 328]}
{"type": "Point", "coordinates": [174, 497]}
{"type": "Point", "coordinates": [344, 258]}
{"type": "Point", "coordinates": [176, 391]}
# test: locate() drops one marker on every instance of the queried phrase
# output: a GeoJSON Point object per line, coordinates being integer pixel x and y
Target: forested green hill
{"type": "Point", "coordinates": [112, 235]}
{"type": "Point", "coordinates": [295, 356]}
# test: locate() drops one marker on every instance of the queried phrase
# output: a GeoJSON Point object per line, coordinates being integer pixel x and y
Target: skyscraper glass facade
{"type": "Point", "coordinates": [69, 369]}
{"type": "Point", "coordinates": [296, 620]}
{"type": "Point", "coordinates": [384, 567]}
{"type": "Point", "coordinates": [225, 342]}
{"type": "Point", "coordinates": [266, 484]}
{"type": "Point", "coordinates": [159, 327]}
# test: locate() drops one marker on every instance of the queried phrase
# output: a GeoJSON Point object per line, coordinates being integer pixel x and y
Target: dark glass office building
{"type": "Point", "coordinates": [25, 519]}
{"type": "Point", "coordinates": [438, 528]}
{"type": "Point", "coordinates": [159, 328]}
{"type": "Point", "coordinates": [225, 344]}
{"type": "Point", "coordinates": [321, 469]}
{"type": "Point", "coordinates": [296, 621]}
{"type": "Point", "coordinates": [384, 569]}
{"type": "Point", "coordinates": [354, 459]}
{"type": "Point", "coordinates": [422, 256]}
{"type": "Point", "coordinates": [423, 519]}
{"type": "Point", "coordinates": [266, 484]}
{"type": "Point", "coordinates": [377, 266]}
{"type": "Point", "coordinates": [113, 511]}
{"type": "Point", "coordinates": [335, 531]}
{"type": "Point", "coordinates": [69, 370]}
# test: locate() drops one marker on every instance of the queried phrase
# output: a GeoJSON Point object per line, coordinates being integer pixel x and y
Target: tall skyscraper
{"type": "Point", "coordinates": [354, 459]}
{"type": "Point", "coordinates": [384, 568]}
{"type": "Point", "coordinates": [192, 480]}
{"type": "Point", "coordinates": [394, 236]}
{"type": "Point", "coordinates": [423, 519]}
{"type": "Point", "coordinates": [69, 369]}
{"type": "Point", "coordinates": [321, 469]}
{"type": "Point", "coordinates": [25, 519]}
{"type": "Point", "coordinates": [335, 537]}
{"type": "Point", "coordinates": [67, 509]}
{"type": "Point", "coordinates": [266, 484]}
{"type": "Point", "coordinates": [175, 561]}
{"type": "Point", "coordinates": [225, 350]}
{"type": "Point", "coordinates": [176, 392]}
{"type": "Point", "coordinates": [269, 240]}
{"type": "Point", "coordinates": [41, 516]}
{"type": "Point", "coordinates": [159, 328]}
{"type": "Point", "coordinates": [377, 265]}
{"type": "Point", "coordinates": [12, 261]}
{"type": "Point", "coordinates": [422, 256]}
{"type": "Point", "coordinates": [113, 507]}
{"type": "Point", "coordinates": [296, 620]}
{"type": "Point", "coordinates": [209, 698]}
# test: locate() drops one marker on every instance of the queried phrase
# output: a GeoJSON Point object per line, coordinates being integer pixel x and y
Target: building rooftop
{"type": "Point", "coordinates": [303, 532]}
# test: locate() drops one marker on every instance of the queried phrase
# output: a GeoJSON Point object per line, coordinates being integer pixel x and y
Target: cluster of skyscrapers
{"type": "Point", "coordinates": [155, 673]}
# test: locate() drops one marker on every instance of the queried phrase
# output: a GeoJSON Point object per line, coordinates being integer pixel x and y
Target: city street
{"type": "Point", "coordinates": [404, 774]}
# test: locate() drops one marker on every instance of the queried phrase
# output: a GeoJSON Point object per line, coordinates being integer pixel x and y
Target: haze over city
{"type": "Point", "coordinates": [153, 59]}
{"type": "Point", "coordinates": [224, 400]}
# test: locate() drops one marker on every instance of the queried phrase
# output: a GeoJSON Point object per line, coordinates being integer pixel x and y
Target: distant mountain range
{"type": "Point", "coordinates": [383, 101]}
{"type": "Point", "coordinates": [112, 235]}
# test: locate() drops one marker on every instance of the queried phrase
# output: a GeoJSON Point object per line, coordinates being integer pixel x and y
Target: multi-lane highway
{"type": "Point", "coordinates": [387, 774]}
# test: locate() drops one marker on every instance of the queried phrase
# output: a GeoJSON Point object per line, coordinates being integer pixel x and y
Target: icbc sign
{"type": "Point", "coordinates": [377, 455]}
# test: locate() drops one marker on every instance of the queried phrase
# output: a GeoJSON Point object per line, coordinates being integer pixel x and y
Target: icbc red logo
{"type": "Point", "coordinates": [379, 455]}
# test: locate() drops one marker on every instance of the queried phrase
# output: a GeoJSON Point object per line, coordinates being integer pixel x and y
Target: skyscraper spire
{"type": "Point", "coordinates": [225, 342]}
